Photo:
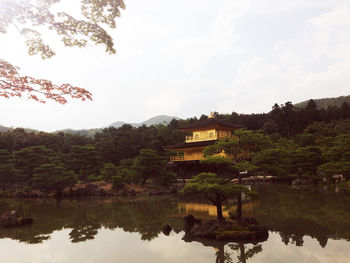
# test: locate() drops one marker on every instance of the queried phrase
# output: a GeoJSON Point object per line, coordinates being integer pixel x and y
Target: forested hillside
{"type": "Point", "coordinates": [287, 120]}
{"type": "Point", "coordinates": [288, 141]}
{"type": "Point", "coordinates": [326, 102]}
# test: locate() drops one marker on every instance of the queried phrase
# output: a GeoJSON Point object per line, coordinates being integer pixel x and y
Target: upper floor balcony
{"type": "Point", "coordinates": [208, 137]}
{"type": "Point", "coordinates": [202, 137]}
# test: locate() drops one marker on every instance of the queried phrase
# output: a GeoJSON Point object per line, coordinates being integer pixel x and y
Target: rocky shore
{"type": "Point", "coordinates": [98, 189]}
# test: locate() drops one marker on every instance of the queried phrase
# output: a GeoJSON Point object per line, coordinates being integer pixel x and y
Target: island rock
{"type": "Point", "coordinates": [249, 230]}
{"type": "Point", "coordinates": [10, 218]}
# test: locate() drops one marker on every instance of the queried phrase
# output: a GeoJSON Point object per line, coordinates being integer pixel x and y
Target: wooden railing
{"type": "Point", "coordinates": [213, 136]}
{"type": "Point", "coordinates": [187, 158]}
{"type": "Point", "coordinates": [177, 158]}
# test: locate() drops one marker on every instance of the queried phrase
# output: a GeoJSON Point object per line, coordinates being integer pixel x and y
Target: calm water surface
{"type": "Point", "coordinates": [305, 225]}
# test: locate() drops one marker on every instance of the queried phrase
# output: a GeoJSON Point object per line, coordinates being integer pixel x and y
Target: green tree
{"type": "Point", "coordinates": [8, 173]}
{"type": "Point", "coordinates": [244, 141]}
{"type": "Point", "coordinates": [53, 177]}
{"type": "Point", "coordinates": [125, 171]}
{"type": "Point", "coordinates": [244, 167]}
{"type": "Point", "coordinates": [219, 164]}
{"type": "Point", "coordinates": [215, 189]}
{"type": "Point", "coordinates": [270, 126]}
{"type": "Point", "coordinates": [329, 169]}
{"type": "Point", "coordinates": [289, 117]}
{"type": "Point", "coordinates": [27, 159]}
{"type": "Point", "coordinates": [253, 140]}
{"type": "Point", "coordinates": [108, 171]}
{"type": "Point", "coordinates": [229, 146]}
{"type": "Point", "coordinates": [117, 182]}
{"type": "Point", "coordinates": [307, 159]}
{"type": "Point", "coordinates": [345, 110]}
{"type": "Point", "coordinates": [118, 176]}
{"type": "Point", "coordinates": [305, 139]}
{"type": "Point", "coordinates": [239, 148]}
{"type": "Point", "coordinates": [338, 156]}
{"type": "Point", "coordinates": [84, 161]}
{"type": "Point", "coordinates": [148, 164]}
{"type": "Point", "coordinates": [275, 161]}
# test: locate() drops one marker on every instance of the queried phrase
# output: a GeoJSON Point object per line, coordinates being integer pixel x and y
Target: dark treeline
{"type": "Point", "coordinates": [288, 120]}
{"type": "Point", "coordinates": [56, 160]}
{"type": "Point", "coordinates": [128, 154]}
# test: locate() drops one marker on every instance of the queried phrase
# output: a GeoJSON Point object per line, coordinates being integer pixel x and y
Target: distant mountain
{"type": "Point", "coordinates": [117, 124]}
{"type": "Point", "coordinates": [324, 103]}
{"type": "Point", "coordinates": [4, 128]}
{"type": "Point", "coordinates": [88, 133]}
{"type": "Point", "coordinates": [160, 119]}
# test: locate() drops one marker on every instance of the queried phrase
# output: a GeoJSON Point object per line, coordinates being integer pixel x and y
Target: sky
{"type": "Point", "coordinates": [188, 58]}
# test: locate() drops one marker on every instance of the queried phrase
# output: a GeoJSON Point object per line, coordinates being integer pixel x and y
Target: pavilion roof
{"type": "Point", "coordinates": [212, 122]}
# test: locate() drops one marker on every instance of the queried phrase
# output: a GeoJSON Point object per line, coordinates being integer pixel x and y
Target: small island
{"type": "Point", "coordinates": [237, 228]}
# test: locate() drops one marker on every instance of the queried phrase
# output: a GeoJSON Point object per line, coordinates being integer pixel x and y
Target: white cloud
{"type": "Point", "coordinates": [194, 53]}
{"type": "Point", "coordinates": [314, 64]}
{"type": "Point", "coordinates": [186, 58]}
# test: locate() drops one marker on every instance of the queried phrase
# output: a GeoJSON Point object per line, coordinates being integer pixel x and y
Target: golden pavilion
{"type": "Point", "coordinates": [204, 132]}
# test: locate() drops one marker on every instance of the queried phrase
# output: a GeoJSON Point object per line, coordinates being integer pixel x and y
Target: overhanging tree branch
{"type": "Point", "coordinates": [37, 14]}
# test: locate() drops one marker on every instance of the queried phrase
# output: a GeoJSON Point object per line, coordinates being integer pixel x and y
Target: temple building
{"type": "Point", "coordinates": [205, 132]}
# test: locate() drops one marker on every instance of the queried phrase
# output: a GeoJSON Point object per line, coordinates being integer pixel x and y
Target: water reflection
{"type": "Point", "coordinates": [304, 212]}
{"type": "Point", "coordinates": [294, 229]}
{"type": "Point", "coordinates": [86, 217]}
{"type": "Point", "coordinates": [229, 252]}
{"type": "Point", "coordinates": [208, 211]}
{"type": "Point", "coordinates": [294, 218]}
{"type": "Point", "coordinates": [244, 253]}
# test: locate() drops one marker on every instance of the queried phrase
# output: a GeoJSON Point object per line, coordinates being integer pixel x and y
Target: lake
{"type": "Point", "coordinates": [305, 225]}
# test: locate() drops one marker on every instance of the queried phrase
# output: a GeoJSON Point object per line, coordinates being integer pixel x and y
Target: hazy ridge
{"type": "Point", "coordinates": [165, 119]}
{"type": "Point", "coordinates": [160, 119]}
{"type": "Point", "coordinates": [325, 102]}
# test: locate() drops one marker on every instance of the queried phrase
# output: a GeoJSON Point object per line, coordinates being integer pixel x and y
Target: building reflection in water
{"type": "Point", "coordinates": [207, 211]}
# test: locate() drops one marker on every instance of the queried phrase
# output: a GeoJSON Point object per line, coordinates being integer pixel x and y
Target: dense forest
{"type": "Point", "coordinates": [288, 140]}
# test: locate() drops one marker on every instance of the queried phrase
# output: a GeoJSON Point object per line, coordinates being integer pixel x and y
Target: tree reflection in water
{"type": "Point", "coordinates": [244, 255]}
{"type": "Point", "coordinates": [242, 251]}
{"type": "Point", "coordinates": [86, 217]}
{"type": "Point", "coordinates": [294, 214]}
{"type": "Point", "coordinates": [223, 256]}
